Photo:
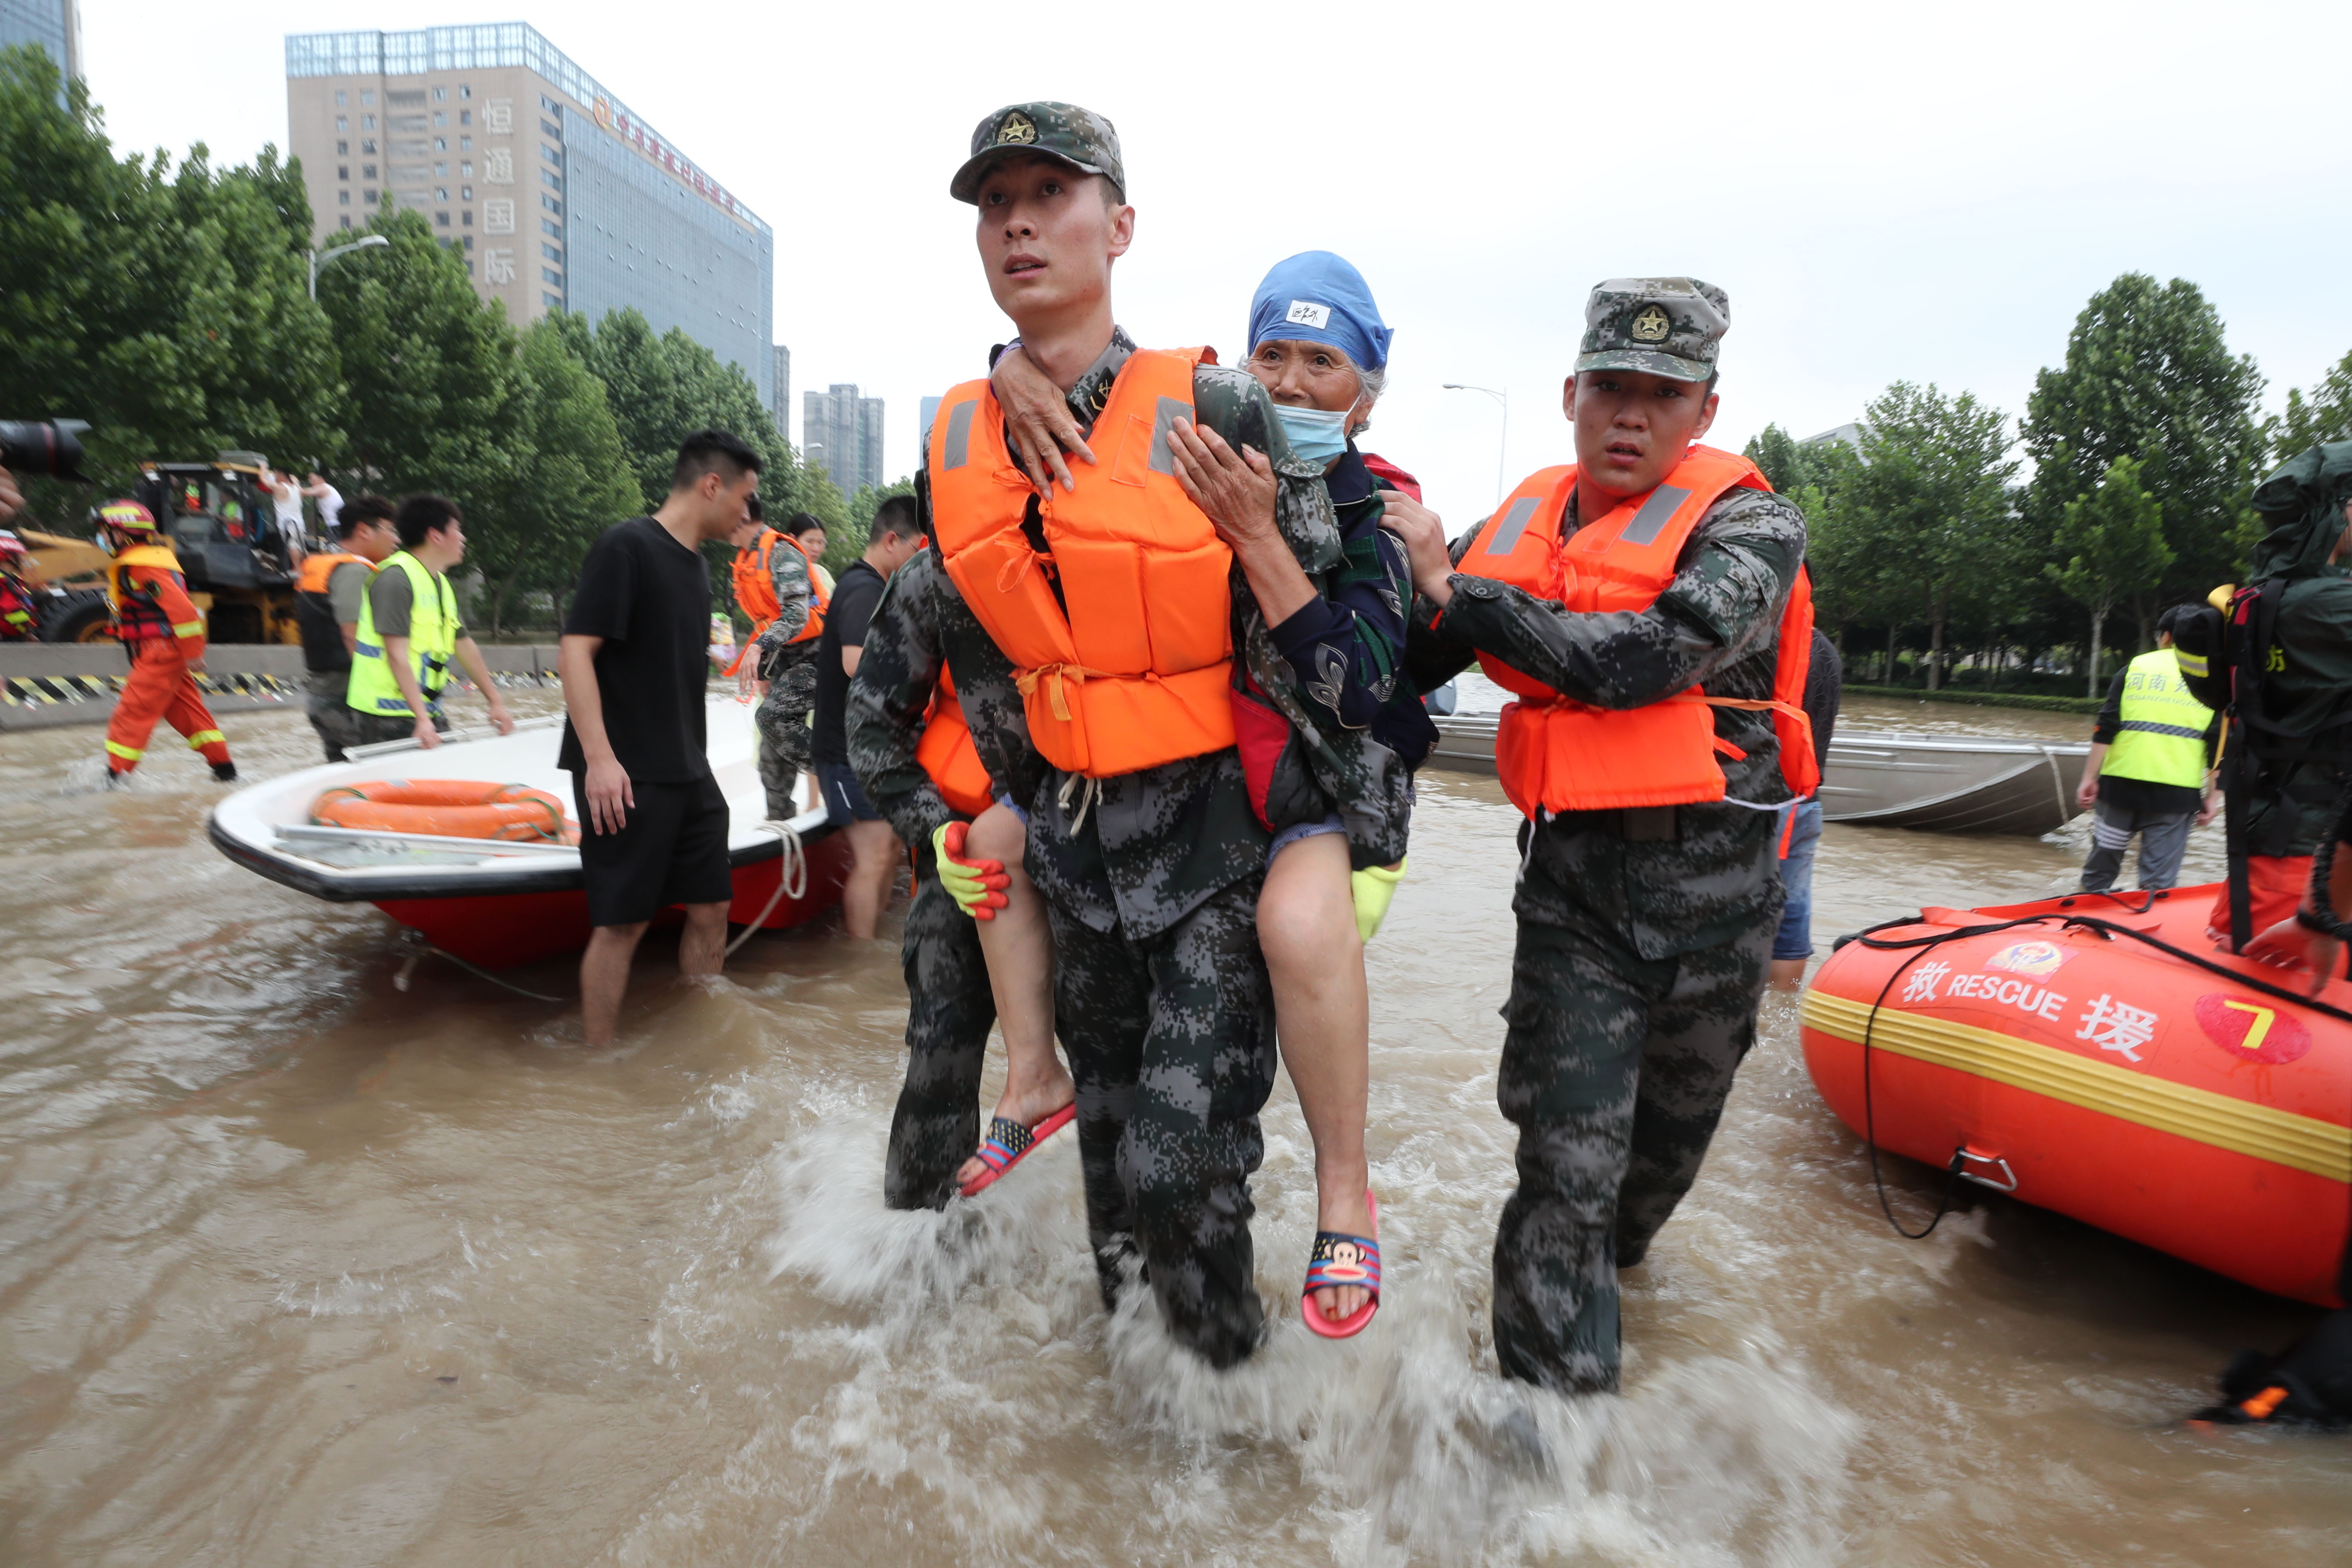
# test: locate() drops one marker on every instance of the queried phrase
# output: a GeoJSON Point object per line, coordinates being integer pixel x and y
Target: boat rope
{"type": "Point", "coordinates": [419, 947]}
{"type": "Point", "coordinates": [1922, 945]}
{"type": "Point", "coordinates": [791, 878]}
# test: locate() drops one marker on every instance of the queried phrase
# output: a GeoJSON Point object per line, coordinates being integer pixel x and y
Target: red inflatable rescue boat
{"type": "Point", "coordinates": [2189, 1100]}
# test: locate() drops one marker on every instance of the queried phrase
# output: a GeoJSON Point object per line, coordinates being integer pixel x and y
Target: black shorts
{"type": "Point", "coordinates": [845, 797]}
{"type": "Point", "coordinates": [671, 850]}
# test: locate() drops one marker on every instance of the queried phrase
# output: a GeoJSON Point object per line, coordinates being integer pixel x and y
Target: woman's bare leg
{"type": "Point", "coordinates": [1306, 927]}
{"type": "Point", "coordinates": [1019, 946]}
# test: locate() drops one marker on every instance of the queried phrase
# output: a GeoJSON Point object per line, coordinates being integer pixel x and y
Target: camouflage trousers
{"type": "Point", "coordinates": [330, 711]}
{"type": "Point", "coordinates": [1615, 1068]}
{"type": "Point", "coordinates": [950, 1010]}
{"type": "Point", "coordinates": [784, 733]}
{"type": "Point", "coordinates": [1170, 1040]}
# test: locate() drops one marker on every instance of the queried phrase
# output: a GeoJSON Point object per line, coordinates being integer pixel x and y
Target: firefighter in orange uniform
{"type": "Point", "coordinates": [1647, 608]}
{"type": "Point", "coordinates": [163, 632]}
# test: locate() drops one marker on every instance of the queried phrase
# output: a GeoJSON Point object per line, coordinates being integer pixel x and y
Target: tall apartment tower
{"type": "Point", "coordinates": [924, 415]}
{"type": "Point", "coordinates": [54, 25]}
{"type": "Point", "coordinates": [558, 197]}
{"type": "Point", "coordinates": [780, 402]}
{"type": "Point", "coordinates": [842, 433]}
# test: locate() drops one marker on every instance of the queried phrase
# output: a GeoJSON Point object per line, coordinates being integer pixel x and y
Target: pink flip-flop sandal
{"type": "Point", "coordinates": [1340, 1259]}
{"type": "Point", "coordinates": [1008, 1143]}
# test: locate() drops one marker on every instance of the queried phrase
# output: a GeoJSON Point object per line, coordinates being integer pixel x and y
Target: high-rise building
{"type": "Point", "coordinates": [930, 410]}
{"type": "Point", "coordinates": [842, 433]}
{"type": "Point", "coordinates": [781, 401]}
{"type": "Point", "coordinates": [556, 194]}
{"type": "Point", "coordinates": [55, 25]}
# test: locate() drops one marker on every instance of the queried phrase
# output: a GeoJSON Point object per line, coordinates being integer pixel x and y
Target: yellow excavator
{"type": "Point", "coordinates": [221, 524]}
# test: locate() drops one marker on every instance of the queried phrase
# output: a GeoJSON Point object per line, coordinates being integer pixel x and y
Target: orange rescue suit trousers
{"type": "Point", "coordinates": [159, 687]}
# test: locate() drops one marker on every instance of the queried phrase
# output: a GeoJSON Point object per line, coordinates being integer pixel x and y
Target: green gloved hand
{"type": "Point", "coordinates": [1374, 887]}
{"type": "Point", "coordinates": [977, 886]}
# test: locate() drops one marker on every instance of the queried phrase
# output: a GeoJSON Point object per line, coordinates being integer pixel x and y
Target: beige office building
{"type": "Point", "coordinates": [556, 194]}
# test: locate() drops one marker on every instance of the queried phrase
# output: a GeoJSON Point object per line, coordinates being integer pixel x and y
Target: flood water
{"type": "Point", "coordinates": [297, 1267]}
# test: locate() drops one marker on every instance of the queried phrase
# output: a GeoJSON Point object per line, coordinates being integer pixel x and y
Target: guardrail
{"type": "Point", "coordinates": [47, 684]}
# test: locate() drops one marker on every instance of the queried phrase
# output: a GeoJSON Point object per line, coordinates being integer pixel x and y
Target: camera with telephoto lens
{"type": "Point", "coordinates": [49, 447]}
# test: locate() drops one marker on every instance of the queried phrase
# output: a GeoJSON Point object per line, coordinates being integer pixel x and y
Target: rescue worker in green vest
{"type": "Point", "coordinates": [2151, 770]}
{"type": "Point", "coordinates": [409, 631]}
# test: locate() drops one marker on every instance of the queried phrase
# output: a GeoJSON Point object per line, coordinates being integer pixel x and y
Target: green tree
{"type": "Point", "coordinates": [167, 308]}
{"type": "Point", "coordinates": [431, 370]}
{"type": "Point", "coordinates": [2325, 414]}
{"type": "Point", "coordinates": [1924, 515]}
{"type": "Point", "coordinates": [663, 388]}
{"type": "Point", "coordinates": [569, 481]}
{"type": "Point", "coordinates": [1794, 465]}
{"type": "Point", "coordinates": [2148, 377]}
{"type": "Point", "coordinates": [2110, 546]}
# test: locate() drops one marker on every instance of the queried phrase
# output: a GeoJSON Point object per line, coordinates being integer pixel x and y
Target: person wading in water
{"type": "Point", "coordinates": [1644, 607]}
{"type": "Point", "coordinates": [1328, 729]}
{"type": "Point", "coordinates": [1112, 602]}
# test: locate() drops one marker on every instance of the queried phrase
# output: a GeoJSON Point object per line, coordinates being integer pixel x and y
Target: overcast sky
{"type": "Point", "coordinates": [1887, 192]}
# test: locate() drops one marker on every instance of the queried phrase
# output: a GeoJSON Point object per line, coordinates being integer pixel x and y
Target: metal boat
{"type": "Point", "coordinates": [500, 904]}
{"type": "Point", "coordinates": [1884, 778]}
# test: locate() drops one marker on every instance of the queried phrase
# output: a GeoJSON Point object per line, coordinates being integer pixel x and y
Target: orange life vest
{"type": "Point", "coordinates": [755, 591]}
{"type": "Point", "coordinates": [314, 611]}
{"type": "Point", "coordinates": [143, 605]}
{"type": "Point", "coordinates": [1557, 755]}
{"type": "Point", "coordinates": [1138, 671]}
{"type": "Point", "coordinates": [948, 754]}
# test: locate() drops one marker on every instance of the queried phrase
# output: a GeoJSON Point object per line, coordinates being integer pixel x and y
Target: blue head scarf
{"type": "Point", "coordinates": [1316, 297]}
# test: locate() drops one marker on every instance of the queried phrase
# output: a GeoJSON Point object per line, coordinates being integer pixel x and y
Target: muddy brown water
{"type": "Point", "coordinates": [296, 1267]}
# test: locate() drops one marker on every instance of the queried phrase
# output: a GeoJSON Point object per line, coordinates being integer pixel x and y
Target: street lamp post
{"type": "Point", "coordinates": [1502, 447]}
{"type": "Point", "coordinates": [320, 258]}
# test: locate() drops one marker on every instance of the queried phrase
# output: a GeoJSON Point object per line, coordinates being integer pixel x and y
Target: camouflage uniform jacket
{"type": "Point", "coordinates": [1361, 724]}
{"type": "Point", "coordinates": [1715, 623]}
{"type": "Point", "coordinates": [1166, 838]}
{"type": "Point", "coordinates": [788, 570]}
{"type": "Point", "coordinates": [921, 626]}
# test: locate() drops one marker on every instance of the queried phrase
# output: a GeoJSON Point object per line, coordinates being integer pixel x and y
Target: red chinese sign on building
{"type": "Point", "coordinates": [636, 136]}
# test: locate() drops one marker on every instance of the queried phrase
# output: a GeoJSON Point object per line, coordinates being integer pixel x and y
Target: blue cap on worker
{"type": "Point", "coordinates": [1318, 297]}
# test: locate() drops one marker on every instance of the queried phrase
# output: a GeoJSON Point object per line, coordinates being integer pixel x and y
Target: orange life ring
{"type": "Point", "coordinates": [447, 808]}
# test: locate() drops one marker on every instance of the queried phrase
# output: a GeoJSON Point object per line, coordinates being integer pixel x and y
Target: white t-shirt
{"type": "Point", "coordinates": [330, 507]}
{"type": "Point", "coordinates": [288, 498]}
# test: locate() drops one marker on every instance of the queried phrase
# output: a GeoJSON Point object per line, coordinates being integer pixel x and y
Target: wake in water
{"type": "Point", "coordinates": [975, 1359]}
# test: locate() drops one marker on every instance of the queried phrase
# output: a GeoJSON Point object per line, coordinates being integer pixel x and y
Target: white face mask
{"type": "Point", "coordinates": [1316, 435]}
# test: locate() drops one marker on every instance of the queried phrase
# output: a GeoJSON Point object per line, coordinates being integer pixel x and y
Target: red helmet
{"type": "Point", "coordinates": [127, 517]}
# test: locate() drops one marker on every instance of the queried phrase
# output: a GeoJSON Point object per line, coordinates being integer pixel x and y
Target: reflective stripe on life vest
{"type": "Point", "coordinates": [2162, 738]}
{"type": "Point", "coordinates": [1554, 754]}
{"type": "Point", "coordinates": [1136, 672]}
{"type": "Point", "coordinates": [948, 756]}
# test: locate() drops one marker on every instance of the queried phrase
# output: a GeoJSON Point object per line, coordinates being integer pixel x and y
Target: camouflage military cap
{"type": "Point", "coordinates": [1666, 326]}
{"type": "Point", "coordinates": [1078, 137]}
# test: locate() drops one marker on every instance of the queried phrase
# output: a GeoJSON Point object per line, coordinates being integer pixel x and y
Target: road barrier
{"type": "Point", "coordinates": [47, 684]}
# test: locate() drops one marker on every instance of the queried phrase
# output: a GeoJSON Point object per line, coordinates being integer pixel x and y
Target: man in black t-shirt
{"type": "Point", "coordinates": [633, 662]}
{"type": "Point", "coordinates": [891, 542]}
